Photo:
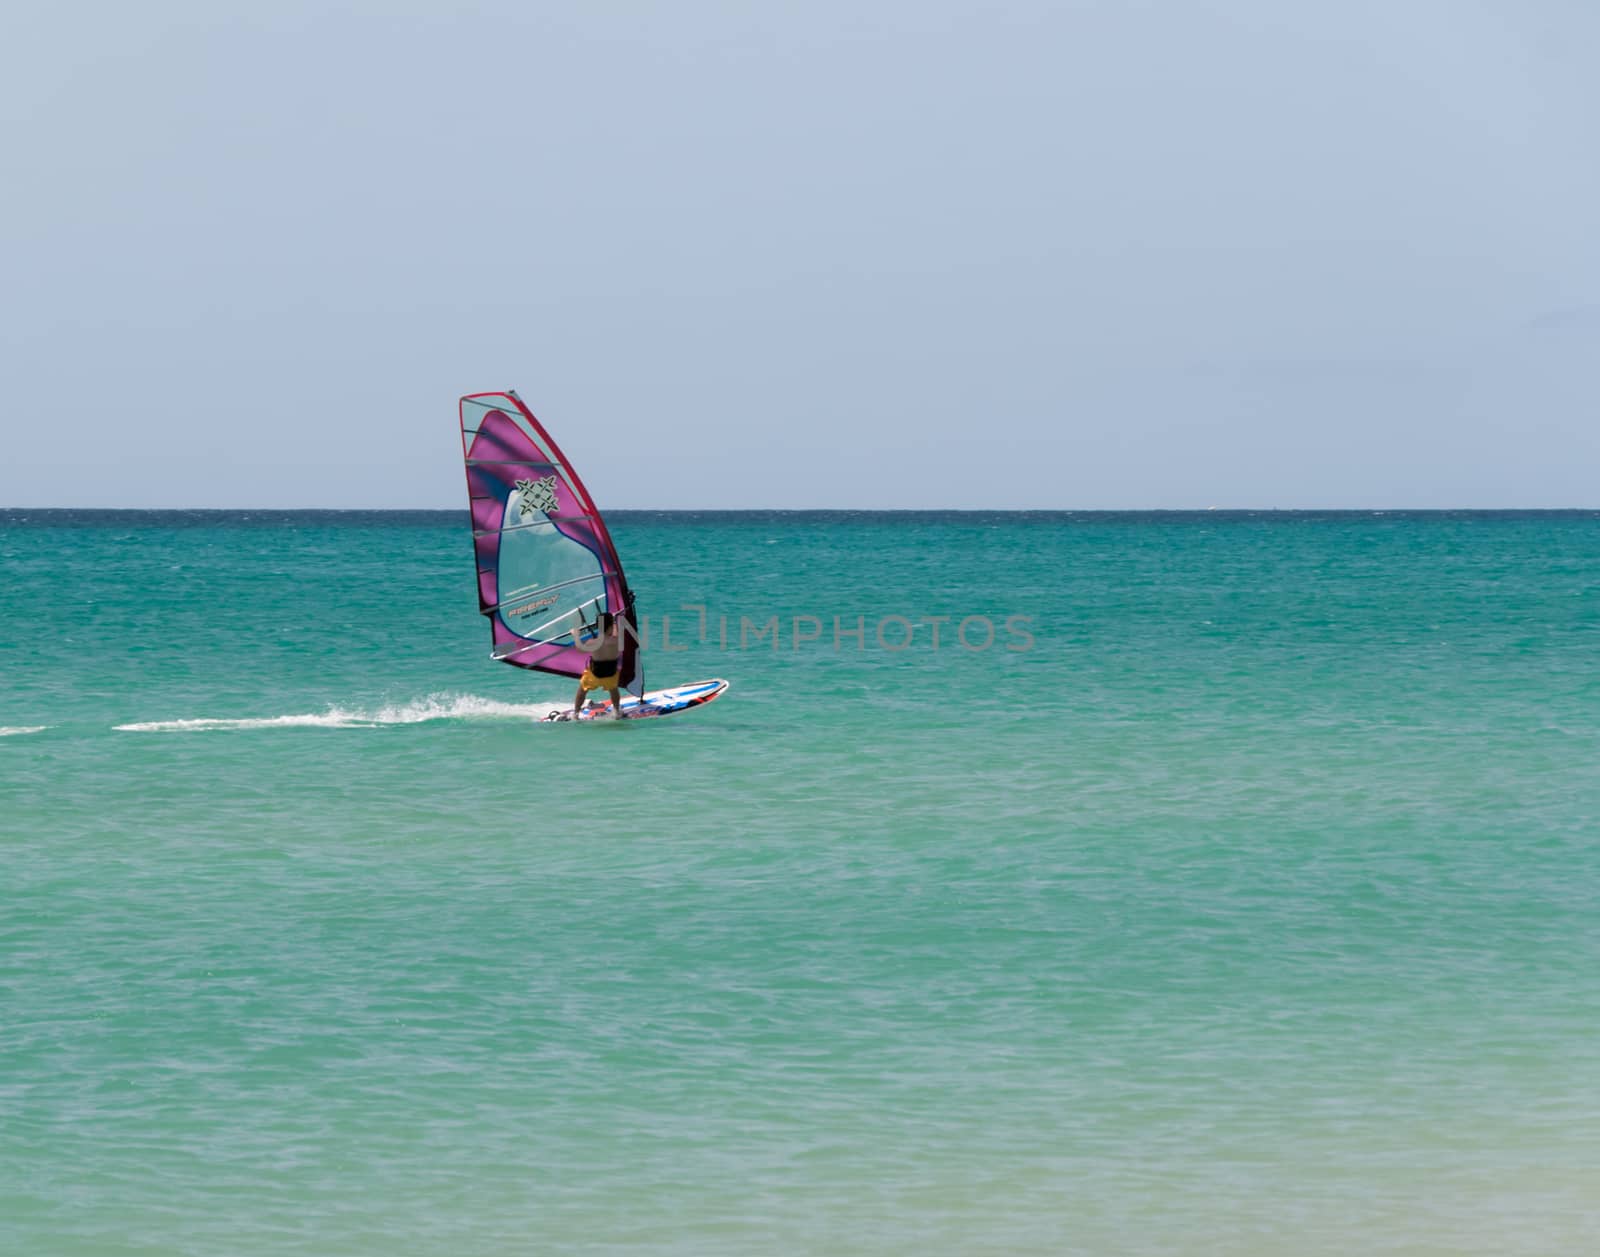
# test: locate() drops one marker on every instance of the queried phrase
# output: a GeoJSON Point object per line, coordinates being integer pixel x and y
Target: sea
{"type": "Point", "coordinates": [1045, 883]}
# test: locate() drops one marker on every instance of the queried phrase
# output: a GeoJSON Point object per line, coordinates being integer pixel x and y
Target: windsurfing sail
{"type": "Point", "coordinates": [547, 567]}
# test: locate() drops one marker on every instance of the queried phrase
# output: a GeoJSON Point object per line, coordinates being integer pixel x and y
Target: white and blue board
{"type": "Point", "coordinates": [670, 702]}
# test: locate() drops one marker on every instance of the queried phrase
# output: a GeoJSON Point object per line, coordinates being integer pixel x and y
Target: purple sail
{"type": "Point", "coordinates": [546, 564]}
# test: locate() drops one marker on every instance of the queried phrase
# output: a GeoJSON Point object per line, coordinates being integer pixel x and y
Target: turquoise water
{"type": "Point", "coordinates": [1255, 909]}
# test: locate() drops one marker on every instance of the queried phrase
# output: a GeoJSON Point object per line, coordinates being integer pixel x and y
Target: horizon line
{"type": "Point", "coordinates": [873, 510]}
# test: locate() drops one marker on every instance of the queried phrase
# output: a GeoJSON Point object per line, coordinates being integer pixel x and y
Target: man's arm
{"type": "Point", "coordinates": [582, 627]}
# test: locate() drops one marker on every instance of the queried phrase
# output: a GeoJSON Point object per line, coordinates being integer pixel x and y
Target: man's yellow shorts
{"type": "Point", "coordinates": [588, 681]}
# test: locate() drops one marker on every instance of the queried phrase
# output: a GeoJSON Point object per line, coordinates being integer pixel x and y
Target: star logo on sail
{"type": "Point", "coordinates": [537, 495]}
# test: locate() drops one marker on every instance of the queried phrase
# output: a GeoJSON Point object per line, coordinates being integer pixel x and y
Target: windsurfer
{"type": "Point", "coordinates": [604, 651]}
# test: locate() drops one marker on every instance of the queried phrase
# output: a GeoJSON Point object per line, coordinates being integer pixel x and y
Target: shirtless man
{"type": "Point", "coordinates": [603, 650]}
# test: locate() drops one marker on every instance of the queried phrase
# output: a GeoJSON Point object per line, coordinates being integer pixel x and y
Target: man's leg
{"type": "Point", "coordinates": [616, 705]}
{"type": "Point", "coordinates": [577, 703]}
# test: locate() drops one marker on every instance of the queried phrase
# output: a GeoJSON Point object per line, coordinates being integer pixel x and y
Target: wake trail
{"type": "Point", "coordinates": [420, 711]}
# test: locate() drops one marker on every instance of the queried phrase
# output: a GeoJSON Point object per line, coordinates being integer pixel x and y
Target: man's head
{"type": "Point", "coordinates": [608, 622]}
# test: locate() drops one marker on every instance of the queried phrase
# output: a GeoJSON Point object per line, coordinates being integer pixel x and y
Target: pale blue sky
{"type": "Point", "coordinates": [1239, 253]}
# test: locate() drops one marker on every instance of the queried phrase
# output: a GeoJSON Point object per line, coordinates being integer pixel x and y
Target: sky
{"type": "Point", "coordinates": [1075, 255]}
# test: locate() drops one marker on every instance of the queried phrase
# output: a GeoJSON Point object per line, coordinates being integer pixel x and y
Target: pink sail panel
{"type": "Point", "coordinates": [546, 563]}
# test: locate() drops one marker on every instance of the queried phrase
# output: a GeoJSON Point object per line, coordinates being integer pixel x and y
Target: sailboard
{"type": "Point", "coordinates": [547, 567]}
{"type": "Point", "coordinates": [668, 702]}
